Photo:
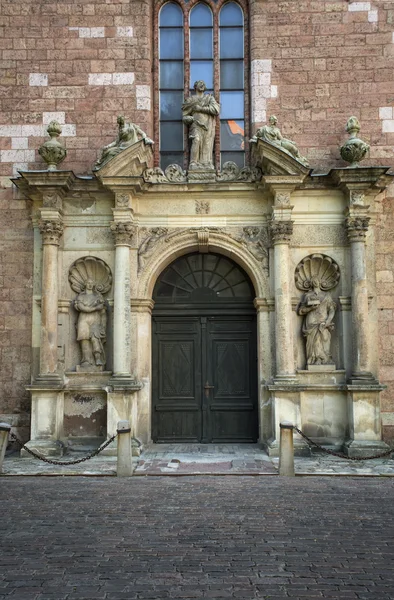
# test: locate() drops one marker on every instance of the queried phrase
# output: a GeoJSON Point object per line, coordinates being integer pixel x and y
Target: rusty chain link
{"type": "Point", "coordinates": [340, 454]}
{"type": "Point", "coordinates": [64, 462]}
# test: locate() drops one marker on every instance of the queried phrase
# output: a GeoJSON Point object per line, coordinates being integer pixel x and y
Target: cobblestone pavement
{"type": "Point", "coordinates": [155, 538]}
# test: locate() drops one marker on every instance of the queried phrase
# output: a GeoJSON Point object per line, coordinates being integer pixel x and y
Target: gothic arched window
{"type": "Point", "coordinates": [201, 42]}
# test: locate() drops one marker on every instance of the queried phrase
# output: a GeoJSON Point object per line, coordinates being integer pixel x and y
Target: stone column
{"type": "Point", "coordinates": [281, 231]}
{"type": "Point", "coordinates": [363, 388]}
{"type": "Point", "coordinates": [357, 227]}
{"type": "Point", "coordinates": [123, 233]}
{"type": "Point", "coordinates": [51, 231]}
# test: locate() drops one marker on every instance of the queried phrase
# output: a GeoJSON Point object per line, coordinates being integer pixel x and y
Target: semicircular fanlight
{"type": "Point", "coordinates": [203, 277]}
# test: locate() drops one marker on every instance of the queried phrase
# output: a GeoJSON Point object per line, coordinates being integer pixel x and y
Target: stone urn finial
{"type": "Point", "coordinates": [353, 150]}
{"type": "Point", "coordinates": [52, 151]}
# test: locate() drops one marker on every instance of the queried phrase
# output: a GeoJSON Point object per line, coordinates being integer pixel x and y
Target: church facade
{"type": "Point", "coordinates": [197, 231]}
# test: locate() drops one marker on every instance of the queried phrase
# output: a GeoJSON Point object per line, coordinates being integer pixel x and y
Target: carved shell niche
{"type": "Point", "coordinates": [93, 268]}
{"type": "Point", "coordinates": [320, 266]}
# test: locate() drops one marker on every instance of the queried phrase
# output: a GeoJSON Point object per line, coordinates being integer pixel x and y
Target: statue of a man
{"type": "Point", "coordinates": [271, 133]}
{"type": "Point", "coordinates": [91, 326]}
{"type": "Point", "coordinates": [128, 134]}
{"type": "Point", "coordinates": [318, 308]}
{"type": "Point", "coordinates": [199, 113]}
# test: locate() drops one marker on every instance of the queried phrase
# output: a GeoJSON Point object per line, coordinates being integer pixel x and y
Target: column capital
{"type": "Point", "coordinates": [281, 231]}
{"type": "Point", "coordinates": [357, 227]}
{"type": "Point", "coordinates": [51, 231]}
{"type": "Point", "coordinates": [124, 232]}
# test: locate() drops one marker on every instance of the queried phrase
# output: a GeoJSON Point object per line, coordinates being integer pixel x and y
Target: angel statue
{"type": "Point", "coordinates": [272, 134]}
{"type": "Point", "coordinates": [128, 134]}
{"type": "Point", "coordinates": [91, 277]}
{"type": "Point", "coordinates": [317, 274]}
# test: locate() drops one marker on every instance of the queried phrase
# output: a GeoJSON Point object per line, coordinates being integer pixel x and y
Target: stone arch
{"type": "Point", "coordinates": [179, 243]}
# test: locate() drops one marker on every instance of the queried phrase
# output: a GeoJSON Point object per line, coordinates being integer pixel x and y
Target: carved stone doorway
{"type": "Point", "coordinates": [204, 361]}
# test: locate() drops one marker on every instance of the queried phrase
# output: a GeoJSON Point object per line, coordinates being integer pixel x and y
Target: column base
{"type": "Point", "coordinates": [46, 448]}
{"type": "Point", "coordinates": [361, 448]}
{"type": "Point", "coordinates": [47, 380]}
{"type": "Point", "coordinates": [124, 382]}
{"type": "Point", "coordinates": [363, 378]}
{"type": "Point", "coordinates": [290, 379]}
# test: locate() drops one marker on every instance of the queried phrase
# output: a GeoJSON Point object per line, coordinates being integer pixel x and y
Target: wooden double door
{"type": "Point", "coordinates": [204, 378]}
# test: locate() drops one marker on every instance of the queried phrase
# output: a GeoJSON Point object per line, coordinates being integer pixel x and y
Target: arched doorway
{"type": "Point", "coordinates": [204, 361]}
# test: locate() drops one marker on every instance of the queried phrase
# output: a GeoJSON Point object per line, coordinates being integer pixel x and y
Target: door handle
{"type": "Point", "coordinates": [208, 387]}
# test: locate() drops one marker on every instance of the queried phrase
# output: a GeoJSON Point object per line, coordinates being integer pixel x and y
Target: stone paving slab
{"type": "Point", "coordinates": [198, 537]}
{"type": "Point", "coordinates": [209, 459]}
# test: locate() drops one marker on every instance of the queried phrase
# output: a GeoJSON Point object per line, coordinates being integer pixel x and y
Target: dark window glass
{"type": "Point", "coordinates": [232, 135]}
{"type": "Point", "coordinates": [231, 14]}
{"type": "Point", "coordinates": [172, 158]}
{"type": "Point", "coordinates": [201, 43]}
{"type": "Point", "coordinates": [232, 105]}
{"type": "Point", "coordinates": [171, 75]}
{"type": "Point", "coordinates": [171, 43]}
{"type": "Point", "coordinates": [237, 157]}
{"type": "Point", "coordinates": [231, 42]}
{"type": "Point", "coordinates": [171, 135]}
{"type": "Point", "coordinates": [171, 106]}
{"type": "Point", "coordinates": [200, 69]}
{"type": "Point", "coordinates": [201, 16]}
{"type": "Point", "coordinates": [231, 74]}
{"type": "Point", "coordinates": [171, 15]}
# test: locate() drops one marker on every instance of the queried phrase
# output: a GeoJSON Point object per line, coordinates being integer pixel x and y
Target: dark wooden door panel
{"type": "Point", "coordinates": [232, 365]}
{"type": "Point", "coordinates": [176, 380]}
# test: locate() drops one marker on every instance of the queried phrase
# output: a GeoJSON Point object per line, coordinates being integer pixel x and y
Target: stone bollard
{"type": "Point", "coordinates": [286, 450]}
{"type": "Point", "coordinates": [124, 465]}
{"type": "Point", "coordinates": [4, 433]}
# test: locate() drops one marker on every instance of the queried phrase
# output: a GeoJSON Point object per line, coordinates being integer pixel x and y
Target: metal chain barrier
{"type": "Point", "coordinates": [340, 454]}
{"type": "Point", "coordinates": [64, 462]}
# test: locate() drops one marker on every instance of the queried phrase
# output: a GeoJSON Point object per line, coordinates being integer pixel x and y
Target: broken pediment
{"type": "Point", "coordinates": [274, 160]}
{"type": "Point", "coordinates": [130, 162]}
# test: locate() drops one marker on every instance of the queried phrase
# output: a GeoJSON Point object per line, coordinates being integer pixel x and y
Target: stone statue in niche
{"type": "Point", "coordinates": [91, 278]}
{"type": "Point", "coordinates": [271, 133]}
{"type": "Point", "coordinates": [128, 134]}
{"type": "Point", "coordinates": [199, 114]}
{"type": "Point", "coordinates": [316, 274]}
